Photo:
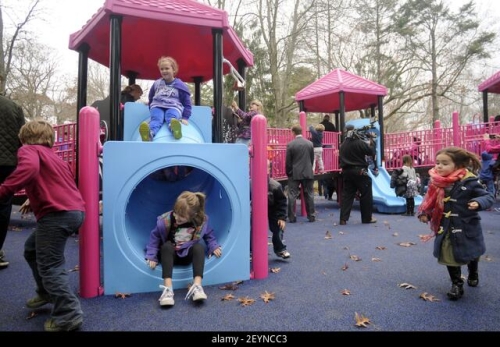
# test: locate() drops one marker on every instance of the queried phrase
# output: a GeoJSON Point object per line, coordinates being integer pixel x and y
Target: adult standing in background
{"type": "Point", "coordinates": [131, 93]}
{"type": "Point", "coordinates": [11, 121]}
{"type": "Point", "coordinates": [299, 170]}
{"type": "Point", "coordinates": [352, 154]}
{"type": "Point", "coordinates": [329, 126]}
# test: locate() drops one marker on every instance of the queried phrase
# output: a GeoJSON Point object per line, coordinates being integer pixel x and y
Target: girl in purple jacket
{"type": "Point", "coordinates": [176, 241]}
{"type": "Point", "coordinates": [169, 102]}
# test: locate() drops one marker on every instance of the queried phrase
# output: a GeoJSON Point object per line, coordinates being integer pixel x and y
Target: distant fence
{"type": "Point", "coordinates": [422, 145]}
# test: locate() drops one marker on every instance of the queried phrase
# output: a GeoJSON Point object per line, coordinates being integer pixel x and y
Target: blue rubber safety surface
{"type": "Point", "coordinates": [379, 271]}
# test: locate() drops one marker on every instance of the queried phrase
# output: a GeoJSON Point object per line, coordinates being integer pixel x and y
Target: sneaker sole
{"type": "Point", "coordinates": [175, 126]}
{"type": "Point", "coordinates": [167, 303]}
{"type": "Point", "coordinates": [144, 131]}
{"type": "Point", "coordinates": [199, 298]}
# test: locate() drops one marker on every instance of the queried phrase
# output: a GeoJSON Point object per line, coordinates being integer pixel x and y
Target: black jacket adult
{"type": "Point", "coordinates": [353, 153]}
{"type": "Point", "coordinates": [329, 126]}
{"type": "Point", "coordinates": [11, 121]}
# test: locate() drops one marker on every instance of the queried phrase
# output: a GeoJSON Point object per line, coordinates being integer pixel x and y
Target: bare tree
{"type": "Point", "coordinates": [33, 82]}
{"type": "Point", "coordinates": [7, 46]}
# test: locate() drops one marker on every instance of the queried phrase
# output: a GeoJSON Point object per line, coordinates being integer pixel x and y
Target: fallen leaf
{"type": "Point", "coordinates": [275, 270]}
{"type": "Point", "coordinates": [228, 297]}
{"type": "Point", "coordinates": [406, 286]}
{"type": "Point", "coordinates": [232, 286]}
{"type": "Point", "coordinates": [32, 315]}
{"type": "Point", "coordinates": [428, 297]}
{"type": "Point", "coordinates": [266, 296]}
{"type": "Point", "coordinates": [355, 257]}
{"type": "Point", "coordinates": [386, 223]}
{"type": "Point", "coordinates": [380, 248]}
{"type": "Point", "coordinates": [376, 259]}
{"type": "Point", "coordinates": [346, 248]}
{"type": "Point", "coordinates": [345, 267]}
{"type": "Point", "coordinates": [341, 233]}
{"type": "Point", "coordinates": [346, 292]}
{"type": "Point", "coordinates": [328, 235]}
{"type": "Point", "coordinates": [395, 234]}
{"type": "Point", "coordinates": [488, 258]}
{"type": "Point", "coordinates": [246, 301]}
{"type": "Point", "coordinates": [122, 295]}
{"type": "Point", "coordinates": [406, 244]}
{"type": "Point", "coordinates": [361, 321]}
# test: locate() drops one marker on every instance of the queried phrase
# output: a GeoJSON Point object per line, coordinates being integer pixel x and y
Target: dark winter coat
{"type": "Point", "coordinates": [11, 121]}
{"type": "Point", "coordinates": [464, 225]}
{"type": "Point", "coordinates": [398, 183]}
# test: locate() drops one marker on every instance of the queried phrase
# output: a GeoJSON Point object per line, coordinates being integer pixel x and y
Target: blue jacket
{"type": "Point", "coordinates": [316, 137]}
{"type": "Point", "coordinates": [159, 235]}
{"type": "Point", "coordinates": [487, 163]}
{"type": "Point", "coordinates": [464, 224]}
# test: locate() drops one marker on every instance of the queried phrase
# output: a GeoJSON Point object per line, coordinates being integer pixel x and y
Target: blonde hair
{"type": "Point", "coordinates": [192, 206]}
{"type": "Point", "coordinates": [37, 132]}
{"type": "Point", "coordinates": [257, 103]}
{"type": "Point", "coordinates": [170, 60]}
{"type": "Point", "coordinates": [319, 127]}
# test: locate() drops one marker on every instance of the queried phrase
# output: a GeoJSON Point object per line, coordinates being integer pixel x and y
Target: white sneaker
{"type": "Point", "coordinates": [283, 254]}
{"type": "Point", "coordinates": [167, 297]}
{"type": "Point", "coordinates": [196, 291]}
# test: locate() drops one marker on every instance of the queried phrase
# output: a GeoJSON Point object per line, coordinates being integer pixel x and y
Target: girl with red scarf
{"type": "Point", "coordinates": [451, 206]}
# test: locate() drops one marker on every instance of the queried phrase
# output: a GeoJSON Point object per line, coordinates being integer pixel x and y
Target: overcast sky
{"type": "Point", "coordinates": [69, 16]}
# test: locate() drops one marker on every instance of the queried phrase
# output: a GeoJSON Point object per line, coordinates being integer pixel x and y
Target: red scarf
{"type": "Point", "coordinates": [433, 204]}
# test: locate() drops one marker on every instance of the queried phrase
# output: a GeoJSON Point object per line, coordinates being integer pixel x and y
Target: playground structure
{"type": "Point", "coordinates": [132, 198]}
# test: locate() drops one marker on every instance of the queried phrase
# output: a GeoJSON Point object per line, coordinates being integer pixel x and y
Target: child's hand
{"type": "Point", "coordinates": [218, 252]}
{"type": "Point", "coordinates": [423, 218]}
{"type": "Point", "coordinates": [151, 263]}
{"type": "Point", "coordinates": [486, 136]}
{"type": "Point", "coordinates": [473, 205]}
{"type": "Point", "coordinates": [25, 207]}
{"type": "Point", "coordinates": [282, 224]}
{"type": "Point", "coordinates": [425, 238]}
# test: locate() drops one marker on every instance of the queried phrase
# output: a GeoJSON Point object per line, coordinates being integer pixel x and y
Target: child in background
{"type": "Point", "coordinates": [451, 205]}
{"type": "Point", "coordinates": [317, 140]}
{"type": "Point", "coordinates": [244, 134]}
{"type": "Point", "coordinates": [411, 184]}
{"type": "Point", "coordinates": [59, 211]}
{"type": "Point", "coordinates": [169, 101]}
{"type": "Point", "coordinates": [176, 241]}
{"type": "Point", "coordinates": [486, 175]}
{"type": "Point", "coordinates": [276, 213]}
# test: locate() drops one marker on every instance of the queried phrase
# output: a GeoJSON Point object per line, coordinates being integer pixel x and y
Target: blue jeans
{"type": "Point", "coordinates": [162, 115]}
{"type": "Point", "coordinates": [44, 252]}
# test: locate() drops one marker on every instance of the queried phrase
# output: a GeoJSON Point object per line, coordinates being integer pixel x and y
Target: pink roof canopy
{"type": "Point", "coordinates": [152, 28]}
{"type": "Point", "coordinates": [323, 95]}
{"type": "Point", "coordinates": [491, 85]}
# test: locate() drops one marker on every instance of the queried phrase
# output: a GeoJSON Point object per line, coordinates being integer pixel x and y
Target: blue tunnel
{"type": "Point", "coordinates": [141, 180]}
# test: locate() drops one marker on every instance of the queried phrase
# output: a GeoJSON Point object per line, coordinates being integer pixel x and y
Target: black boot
{"type": "Point", "coordinates": [473, 278]}
{"type": "Point", "coordinates": [407, 213]}
{"type": "Point", "coordinates": [457, 286]}
{"type": "Point", "coordinates": [411, 206]}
